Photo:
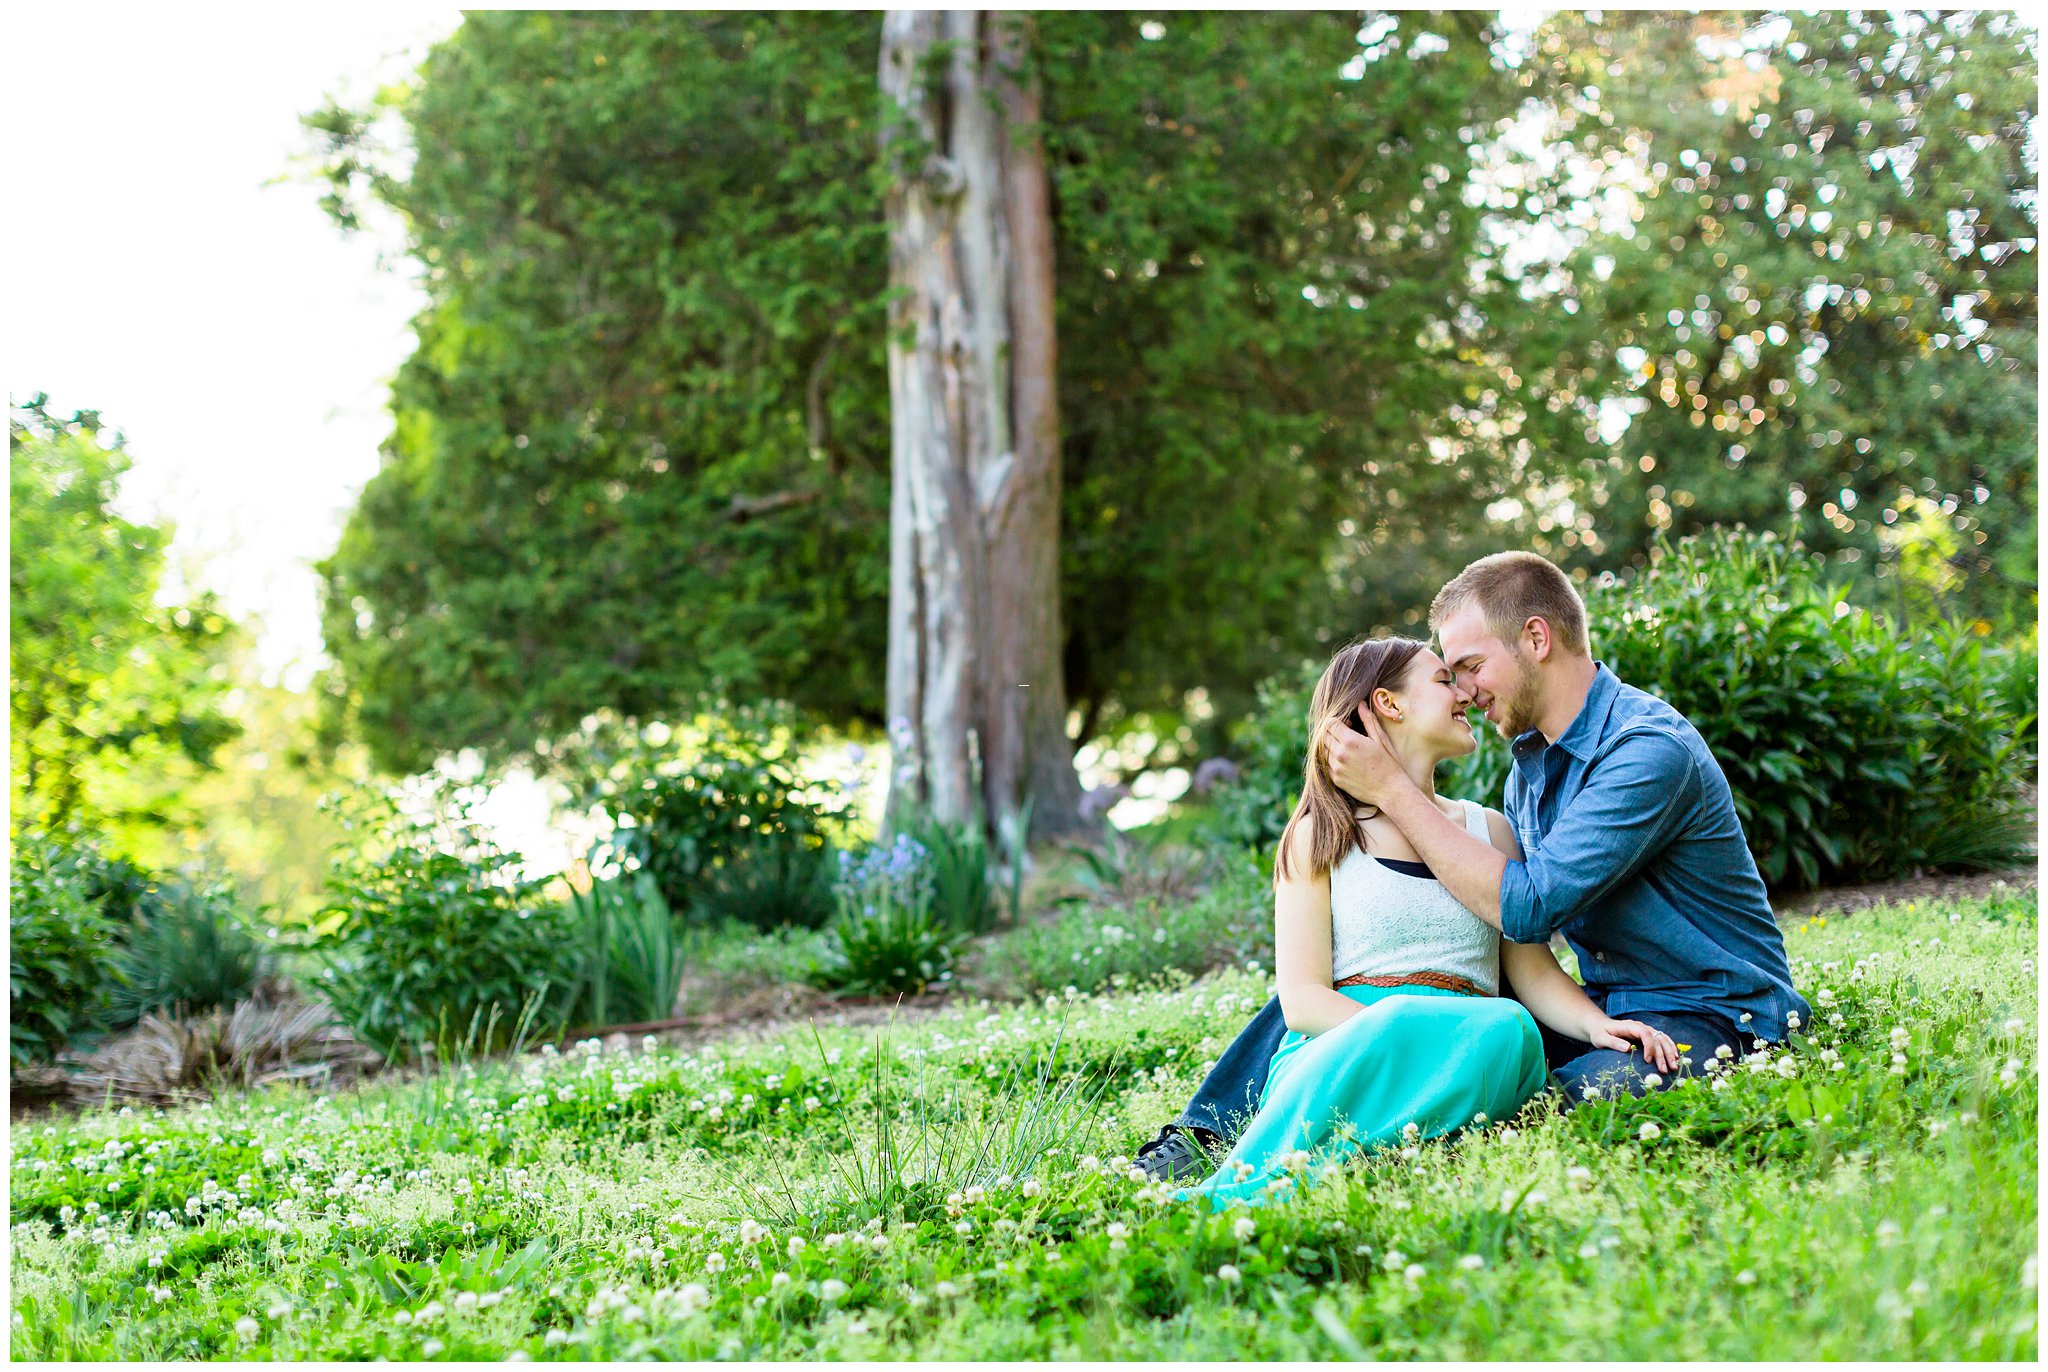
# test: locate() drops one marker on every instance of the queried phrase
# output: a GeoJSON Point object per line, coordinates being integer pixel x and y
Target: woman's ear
{"type": "Point", "coordinates": [1383, 703]}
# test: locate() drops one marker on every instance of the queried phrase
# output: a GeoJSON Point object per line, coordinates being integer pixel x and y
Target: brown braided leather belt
{"type": "Point", "coordinates": [1443, 981]}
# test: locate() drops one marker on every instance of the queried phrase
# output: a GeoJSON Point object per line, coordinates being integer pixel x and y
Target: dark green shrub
{"type": "Point", "coordinates": [60, 954]}
{"type": "Point", "coordinates": [435, 936]}
{"type": "Point", "coordinates": [629, 964]}
{"type": "Point", "coordinates": [191, 950]}
{"type": "Point", "coordinates": [733, 833]}
{"type": "Point", "coordinates": [1854, 753]}
{"type": "Point", "coordinates": [885, 938]}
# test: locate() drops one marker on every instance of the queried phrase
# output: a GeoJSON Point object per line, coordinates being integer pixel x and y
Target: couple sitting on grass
{"type": "Point", "coordinates": [1402, 1011]}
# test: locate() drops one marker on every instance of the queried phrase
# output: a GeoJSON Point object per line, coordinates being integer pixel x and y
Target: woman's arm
{"type": "Point", "coordinates": [1555, 999]}
{"type": "Point", "coordinates": [1301, 946]}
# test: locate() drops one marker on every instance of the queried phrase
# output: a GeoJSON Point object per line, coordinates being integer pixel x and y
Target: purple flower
{"type": "Point", "coordinates": [1214, 771]}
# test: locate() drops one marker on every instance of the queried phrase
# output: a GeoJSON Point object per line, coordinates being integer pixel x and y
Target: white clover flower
{"type": "Point", "coordinates": [1786, 1067]}
{"type": "Point", "coordinates": [946, 1290]}
{"type": "Point", "coordinates": [279, 1310]}
{"type": "Point", "coordinates": [1887, 1230]}
{"type": "Point", "coordinates": [1791, 1019]}
{"type": "Point", "coordinates": [831, 1289]}
{"type": "Point", "coordinates": [1900, 1036]}
{"type": "Point", "coordinates": [2030, 1272]}
{"type": "Point", "coordinates": [1653, 1081]}
{"type": "Point", "coordinates": [246, 1328]}
{"type": "Point", "coordinates": [779, 1280]}
{"type": "Point", "coordinates": [555, 1338]}
{"type": "Point", "coordinates": [1479, 1119]}
{"type": "Point", "coordinates": [693, 1296]}
{"type": "Point", "coordinates": [1229, 1275]}
{"type": "Point", "coordinates": [1589, 1249]}
{"type": "Point", "coordinates": [430, 1348]}
{"type": "Point", "coordinates": [489, 1299]}
{"type": "Point", "coordinates": [401, 1317]}
{"type": "Point", "coordinates": [1244, 1226]}
{"type": "Point", "coordinates": [1579, 1174]}
{"type": "Point", "coordinates": [964, 1227]}
{"type": "Point", "coordinates": [714, 1261]}
{"type": "Point", "coordinates": [1033, 1187]}
{"type": "Point", "coordinates": [432, 1310]}
{"type": "Point", "coordinates": [1592, 1093]}
{"type": "Point", "coordinates": [796, 1244]}
{"type": "Point", "coordinates": [974, 1195]}
{"type": "Point", "coordinates": [1118, 1230]}
{"type": "Point", "coordinates": [1648, 1131]}
{"type": "Point", "coordinates": [1745, 1278]}
{"type": "Point", "coordinates": [751, 1233]}
{"type": "Point", "coordinates": [1472, 1262]}
{"type": "Point", "coordinates": [1724, 1052]}
{"type": "Point", "coordinates": [1415, 1271]}
{"type": "Point", "coordinates": [465, 1300]}
{"type": "Point", "coordinates": [1510, 1134]}
{"type": "Point", "coordinates": [1411, 1131]}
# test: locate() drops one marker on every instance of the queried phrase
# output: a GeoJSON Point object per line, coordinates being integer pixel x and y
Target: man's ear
{"type": "Point", "coordinates": [1536, 634]}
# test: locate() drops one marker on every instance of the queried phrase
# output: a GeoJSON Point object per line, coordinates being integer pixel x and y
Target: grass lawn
{"type": "Point", "coordinates": [956, 1189]}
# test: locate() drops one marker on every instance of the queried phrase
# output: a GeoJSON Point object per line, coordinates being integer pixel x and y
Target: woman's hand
{"type": "Point", "coordinates": [1624, 1034]}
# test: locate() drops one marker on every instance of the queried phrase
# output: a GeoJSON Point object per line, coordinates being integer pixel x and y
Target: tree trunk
{"type": "Point", "coordinates": [977, 707]}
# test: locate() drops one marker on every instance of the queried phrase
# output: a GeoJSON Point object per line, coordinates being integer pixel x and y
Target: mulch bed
{"type": "Point", "coordinates": [1842, 900]}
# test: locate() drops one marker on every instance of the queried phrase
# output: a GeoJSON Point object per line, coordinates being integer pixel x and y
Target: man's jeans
{"type": "Point", "coordinates": [1229, 1096]}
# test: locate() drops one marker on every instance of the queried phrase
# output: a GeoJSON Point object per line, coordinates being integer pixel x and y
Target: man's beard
{"type": "Point", "coordinates": [1518, 715]}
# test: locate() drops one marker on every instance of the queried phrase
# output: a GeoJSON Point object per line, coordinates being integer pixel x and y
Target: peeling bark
{"type": "Point", "coordinates": [976, 703]}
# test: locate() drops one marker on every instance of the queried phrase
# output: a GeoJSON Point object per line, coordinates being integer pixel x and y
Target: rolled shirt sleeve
{"type": "Point", "coordinates": [1634, 799]}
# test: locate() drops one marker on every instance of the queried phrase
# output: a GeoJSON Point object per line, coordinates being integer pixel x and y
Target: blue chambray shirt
{"type": "Point", "coordinates": [1631, 848]}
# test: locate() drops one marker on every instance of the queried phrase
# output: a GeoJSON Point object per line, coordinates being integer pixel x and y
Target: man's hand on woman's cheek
{"type": "Point", "coordinates": [1360, 763]}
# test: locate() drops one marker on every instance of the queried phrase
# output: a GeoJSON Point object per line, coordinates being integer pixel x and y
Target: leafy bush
{"type": "Point", "coordinates": [733, 833]}
{"type": "Point", "coordinates": [435, 937]}
{"type": "Point", "coordinates": [1090, 948]}
{"type": "Point", "coordinates": [60, 953]}
{"type": "Point", "coordinates": [884, 937]}
{"type": "Point", "coordinates": [1855, 753]}
{"type": "Point", "coordinates": [190, 950]}
{"type": "Point", "coordinates": [631, 965]}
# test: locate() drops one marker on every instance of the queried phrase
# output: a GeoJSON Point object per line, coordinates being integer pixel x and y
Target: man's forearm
{"type": "Point", "coordinates": [1469, 868]}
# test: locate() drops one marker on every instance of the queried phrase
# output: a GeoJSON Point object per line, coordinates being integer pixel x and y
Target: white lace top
{"type": "Point", "coordinates": [1388, 923]}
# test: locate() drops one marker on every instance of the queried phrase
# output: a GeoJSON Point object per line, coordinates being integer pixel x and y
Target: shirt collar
{"type": "Point", "coordinates": [1585, 732]}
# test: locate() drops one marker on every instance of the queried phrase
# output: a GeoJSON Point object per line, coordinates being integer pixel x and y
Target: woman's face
{"type": "Point", "coordinates": [1425, 715]}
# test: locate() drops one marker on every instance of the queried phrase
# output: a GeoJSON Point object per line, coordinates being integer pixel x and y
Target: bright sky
{"type": "Point", "coordinates": [158, 272]}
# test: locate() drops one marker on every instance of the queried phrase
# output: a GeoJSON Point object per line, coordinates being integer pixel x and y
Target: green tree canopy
{"type": "Point", "coordinates": [641, 450]}
{"type": "Point", "coordinates": [117, 703]}
{"type": "Point", "coordinates": [1824, 299]}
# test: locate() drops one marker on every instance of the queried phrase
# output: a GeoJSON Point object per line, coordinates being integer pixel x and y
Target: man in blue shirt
{"type": "Point", "coordinates": [1630, 848]}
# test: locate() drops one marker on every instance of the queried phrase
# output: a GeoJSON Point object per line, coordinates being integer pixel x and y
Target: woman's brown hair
{"type": "Point", "coordinates": [1347, 683]}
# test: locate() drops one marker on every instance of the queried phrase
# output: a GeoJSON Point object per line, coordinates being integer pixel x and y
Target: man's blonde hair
{"type": "Point", "coordinates": [1510, 589]}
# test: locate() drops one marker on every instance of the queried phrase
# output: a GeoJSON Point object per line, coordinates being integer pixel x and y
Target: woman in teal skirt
{"type": "Point", "coordinates": [1397, 1030]}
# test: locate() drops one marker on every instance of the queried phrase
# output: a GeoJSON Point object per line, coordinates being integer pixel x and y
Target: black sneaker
{"type": "Point", "coordinates": [1180, 1153]}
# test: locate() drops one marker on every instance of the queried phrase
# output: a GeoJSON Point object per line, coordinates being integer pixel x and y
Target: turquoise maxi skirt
{"type": "Point", "coordinates": [1414, 1055]}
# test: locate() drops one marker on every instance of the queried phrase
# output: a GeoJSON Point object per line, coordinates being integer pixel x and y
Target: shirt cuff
{"type": "Point", "coordinates": [1520, 919]}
